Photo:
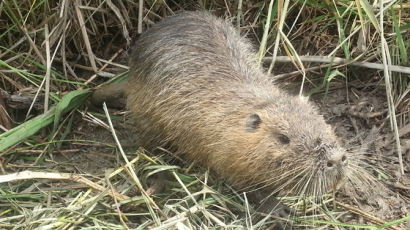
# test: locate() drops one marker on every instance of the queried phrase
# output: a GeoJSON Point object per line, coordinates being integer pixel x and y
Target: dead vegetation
{"type": "Point", "coordinates": [65, 165]}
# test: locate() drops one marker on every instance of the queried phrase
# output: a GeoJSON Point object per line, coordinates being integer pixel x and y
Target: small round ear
{"type": "Point", "coordinates": [252, 122]}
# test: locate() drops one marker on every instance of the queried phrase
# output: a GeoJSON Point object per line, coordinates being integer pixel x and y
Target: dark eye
{"type": "Point", "coordinates": [283, 139]}
{"type": "Point", "coordinates": [253, 122]}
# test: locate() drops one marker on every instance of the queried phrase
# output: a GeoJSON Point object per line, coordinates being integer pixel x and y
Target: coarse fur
{"type": "Point", "coordinates": [195, 84]}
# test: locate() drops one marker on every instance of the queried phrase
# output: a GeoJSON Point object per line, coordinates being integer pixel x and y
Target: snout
{"type": "Point", "coordinates": [337, 158]}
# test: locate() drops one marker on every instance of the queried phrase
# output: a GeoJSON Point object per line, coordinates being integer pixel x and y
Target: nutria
{"type": "Point", "coordinates": [195, 84]}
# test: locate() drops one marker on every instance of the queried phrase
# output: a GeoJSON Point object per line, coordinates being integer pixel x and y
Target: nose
{"type": "Point", "coordinates": [337, 158]}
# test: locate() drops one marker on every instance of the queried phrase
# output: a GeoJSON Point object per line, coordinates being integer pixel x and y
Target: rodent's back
{"type": "Point", "coordinates": [194, 83]}
{"type": "Point", "coordinates": [192, 44]}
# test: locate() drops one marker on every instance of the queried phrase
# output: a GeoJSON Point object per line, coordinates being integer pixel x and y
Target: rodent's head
{"type": "Point", "coordinates": [301, 150]}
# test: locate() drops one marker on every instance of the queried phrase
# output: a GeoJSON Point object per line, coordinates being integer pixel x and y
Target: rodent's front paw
{"type": "Point", "coordinates": [284, 212]}
{"type": "Point", "coordinates": [281, 212]}
{"type": "Point", "coordinates": [271, 207]}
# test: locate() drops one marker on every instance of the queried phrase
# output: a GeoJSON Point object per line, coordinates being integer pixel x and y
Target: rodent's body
{"type": "Point", "coordinates": [196, 84]}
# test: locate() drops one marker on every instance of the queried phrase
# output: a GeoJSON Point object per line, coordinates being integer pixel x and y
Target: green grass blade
{"type": "Point", "coordinates": [399, 39]}
{"type": "Point", "coordinates": [29, 128]}
{"type": "Point", "coordinates": [269, 20]}
{"type": "Point", "coordinates": [368, 9]}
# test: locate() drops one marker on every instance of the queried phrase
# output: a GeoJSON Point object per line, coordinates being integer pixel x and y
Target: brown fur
{"type": "Point", "coordinates": [195, 84]}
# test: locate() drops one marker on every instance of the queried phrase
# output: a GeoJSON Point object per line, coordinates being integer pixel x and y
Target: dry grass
{"type": "Point", "coordinates": [49, 48]}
